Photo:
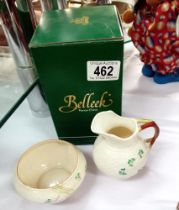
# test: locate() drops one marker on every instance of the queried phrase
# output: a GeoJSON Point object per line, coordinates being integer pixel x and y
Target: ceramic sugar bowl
{"type": "Point", "coordinates": [119, 150]}
{"type": "Point", "coordinates": [50, 171]}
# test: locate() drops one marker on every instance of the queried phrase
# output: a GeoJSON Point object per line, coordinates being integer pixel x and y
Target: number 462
{"type": "Point", "coordinates": [104, 70]}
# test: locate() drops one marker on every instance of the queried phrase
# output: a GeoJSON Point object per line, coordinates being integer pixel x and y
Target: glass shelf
{"type": "Point", "coordinates": [11, 88]}
{"type": "Point", "coordinates": [12, 92]}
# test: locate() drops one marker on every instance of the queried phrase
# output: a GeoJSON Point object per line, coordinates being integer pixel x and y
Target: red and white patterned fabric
{"type": "Point", "coordinates": [154, 35]}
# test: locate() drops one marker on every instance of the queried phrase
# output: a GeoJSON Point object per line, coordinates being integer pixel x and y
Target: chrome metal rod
{"type": "Point", "coordinates": [32, 13]}
{"type": "Point", "coordinates": [62, 4]}
{"type": "Point", "coordinates": [46, 5]}
{"type": "Point", "coordinates": [21, 4]}
{"type": "Point", "coordinates": [14, 34]}
{"type": "Point", "coordinates": [104, 2]}
{"type": "Point", "coordinates": [19, 48]}
{"type": "Point", "coordinates": [177, 26]}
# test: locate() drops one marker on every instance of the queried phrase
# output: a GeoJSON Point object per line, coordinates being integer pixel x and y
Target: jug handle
{"type": "Point", "coordinates": [147, 124]}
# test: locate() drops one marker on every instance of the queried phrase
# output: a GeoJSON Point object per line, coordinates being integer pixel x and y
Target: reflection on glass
{"type": "Point", "coordinates": [13, 28]}
{"type": "Point", "coordinates": [10, 85]}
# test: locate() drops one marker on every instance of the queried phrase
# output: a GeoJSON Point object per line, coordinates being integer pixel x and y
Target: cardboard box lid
{"type": "Point", "coordinates": [77, 25]}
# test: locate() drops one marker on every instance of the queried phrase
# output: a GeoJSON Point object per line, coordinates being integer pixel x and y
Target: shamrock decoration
{"type": "Point", "coordinates": [140, 153]}
{"type": "Point", "coordinates": [78, 176]}
{"type": "Point", "coordinates": [131, 162]}
{"type": "Point", "coordinates": [122, 171]}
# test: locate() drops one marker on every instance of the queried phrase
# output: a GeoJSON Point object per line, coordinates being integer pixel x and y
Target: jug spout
{"type": "Point", "coordinates": [106, 120]}
{"type": "Point", "coordinates": [101, 122]}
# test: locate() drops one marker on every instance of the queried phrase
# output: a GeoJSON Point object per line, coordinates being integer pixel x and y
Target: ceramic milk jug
{"type": "Point", "coordinates": [119, 150]}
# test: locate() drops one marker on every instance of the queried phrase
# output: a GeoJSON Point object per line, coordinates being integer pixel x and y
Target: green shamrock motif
{"type": "Point", "coordinates": [122, 171]}
{"type": "Point", "coordinates": [141, 153]}
{"type": "Point", "coordinates": [49, 200]}
{"type": "Point", "coordinates": [131, 162]}
{"type": "Point", "coordinates": [78, 176]}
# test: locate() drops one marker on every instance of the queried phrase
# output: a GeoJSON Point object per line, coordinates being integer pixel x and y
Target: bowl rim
{"type": "Point", "coordinates": [36, 145]}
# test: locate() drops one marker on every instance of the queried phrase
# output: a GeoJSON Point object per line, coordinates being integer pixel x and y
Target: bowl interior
{"type": "Point", "coordinates": [47, 164]}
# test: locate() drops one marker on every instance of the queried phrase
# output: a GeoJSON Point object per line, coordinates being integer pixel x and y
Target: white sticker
{"type": "Point", "coordinates": [103, 70]}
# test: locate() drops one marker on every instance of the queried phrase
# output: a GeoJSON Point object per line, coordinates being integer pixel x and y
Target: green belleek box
{"type": "Point", "coordinates": [78, 54]}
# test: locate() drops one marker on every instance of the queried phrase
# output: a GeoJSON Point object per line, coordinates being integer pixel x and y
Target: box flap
{"type": "Point", "coordinates": [77, 25]}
